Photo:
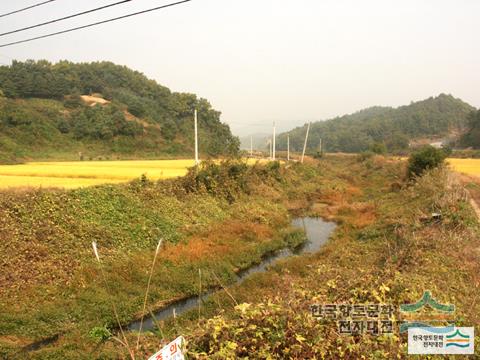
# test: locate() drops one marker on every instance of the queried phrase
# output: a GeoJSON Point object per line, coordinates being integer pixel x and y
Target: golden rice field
{"type": "Point", "coordinates": [466, 166]}
{"type": "Point", "coordinates": [75, 174]}
{"type": "Point", "coordinates": [80, 174]}
{"type": "Point", "coordinates": [71, 175]}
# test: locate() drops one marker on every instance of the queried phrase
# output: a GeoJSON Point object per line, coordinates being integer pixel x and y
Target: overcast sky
{"type": "Point", "coordinates": [260, 61]}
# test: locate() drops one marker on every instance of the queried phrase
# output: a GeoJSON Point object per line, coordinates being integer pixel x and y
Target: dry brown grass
{"type": "Point", "coordinates": [393, 260]}
{"type": "Point", "coordinates": [217, 242]}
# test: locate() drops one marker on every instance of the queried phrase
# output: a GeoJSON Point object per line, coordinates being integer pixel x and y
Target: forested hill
{"type": "Point", "coordinates": [433, 118]}
{"type": "Point", "coordinates": [471, 138]}
{"type": "Point", "coordinates": [100, 110]}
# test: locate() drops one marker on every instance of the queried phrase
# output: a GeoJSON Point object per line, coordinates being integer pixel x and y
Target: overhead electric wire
{"type": "Point", "coordinates": [26, 8]}
{"type": "Point", "coordinates": [65, 18]}
{"type": "Point", "coordinates": [94, 24]}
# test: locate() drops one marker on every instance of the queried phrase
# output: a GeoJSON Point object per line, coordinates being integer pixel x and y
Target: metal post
{"type": "Point", "coordinates": [274, 141]}
{"type": "Point", "coordinates": [305, 144]}
{"type": "Point", "coordinates": [197, 162]}
{"type": "Point", "coordinates": [251, 146]}
{"type": "Point", "coordinates": [288, 147]}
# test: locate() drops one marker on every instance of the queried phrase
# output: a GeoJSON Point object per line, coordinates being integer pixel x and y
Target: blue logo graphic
{"type": "Point", "coordinates": [458, 339]}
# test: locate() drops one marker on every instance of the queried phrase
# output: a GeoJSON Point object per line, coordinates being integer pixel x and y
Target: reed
{"type": "Point", "coordinates": [147, 291]}
{"type": "Point", "coordinates": [199, 294]}
{"type": "Point", "coordinates": [157, 323]}
{"type": "Point", "coordinates": [224, 288]}
{"type": "Point", "coordinates": [114, 307]}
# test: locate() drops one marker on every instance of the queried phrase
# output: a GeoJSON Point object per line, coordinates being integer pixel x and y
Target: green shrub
{"type": "Point", "coordinates": [225, 179]}
{"type": "Point", "coordinates": [100, 333]}
{"type": "Point", "coordinates": [365, 155]}
{"type": "Point", "coordinates": [318, 155]}
{"type": "Point", "coordinates": [229, 178]}
{"type": "Point", "coordinates": [73, 101]}
{"type": "Point", "coordinates": [378, 148]}
{"type": "Point", "coordinates": [424, 159]}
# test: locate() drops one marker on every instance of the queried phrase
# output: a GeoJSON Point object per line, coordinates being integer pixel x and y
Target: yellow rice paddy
{"type": "Point", "coordinates": [466, 166]}
{"type": "Point", "coordinates": [76, 174]}
{"type": "Point", "coordinates": [80, 174]}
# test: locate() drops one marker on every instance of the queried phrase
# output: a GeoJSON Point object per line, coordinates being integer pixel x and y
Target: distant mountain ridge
{"type": "Point", "coordinates": [58, 111]}
{"type": "Point", "coordinates": [259, 141]}
{"type": "Point", "coordinates": [435, 117]}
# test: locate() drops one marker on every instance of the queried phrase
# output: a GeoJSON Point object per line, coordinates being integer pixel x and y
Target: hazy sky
{"type": "Point", "coordinates": [260, 61]}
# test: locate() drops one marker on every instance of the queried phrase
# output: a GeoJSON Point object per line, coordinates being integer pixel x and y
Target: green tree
{"type": "Point", "coordinates": [424, 159]}
{"type": "Point", "coordinates": [169, 130]}
{"type": "Point", "coordinates": [471, 138]}
{"type": "Point", "coordinates": [63, 126]}
{"type": "Point", "coordinates": [73, 101]}
{"type": "Point", "coordinates": [397, 142]}
{"type": "Point", "coordinates": [378, 148]}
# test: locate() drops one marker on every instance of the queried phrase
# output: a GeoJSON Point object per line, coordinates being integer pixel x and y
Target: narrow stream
{"type": "Point", "coordinates": [317, 231]}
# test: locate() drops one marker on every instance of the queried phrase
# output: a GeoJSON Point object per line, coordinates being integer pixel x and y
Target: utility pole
{"type": "Point", "coordinates": [251, 146]}
{"type": "Point", "coordinates": [320, 146]}
{"type": "Point", "coordinates": [270, 149]}
{"type": "Point", "coordinates": [305, 144]}
{"type": "Point", "coordinates": [197, 162]}
{"type": "Point", "coordinates": [288, 147]}
{"type": "Point", "coordinates": [274, 141]}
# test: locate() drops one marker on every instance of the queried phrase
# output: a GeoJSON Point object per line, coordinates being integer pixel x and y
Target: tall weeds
{"type": "Point", "coordinates": [114, 307]}
{"type": "Point", "coordinates": [147, 291]}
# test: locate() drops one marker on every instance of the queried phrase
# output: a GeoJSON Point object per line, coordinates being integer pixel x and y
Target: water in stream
{"type": "Point", "coordinates": [317, 230]}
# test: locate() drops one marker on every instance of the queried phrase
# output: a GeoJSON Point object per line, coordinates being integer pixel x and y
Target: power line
{"type": "Point", "coordinates": [94, 24]}
{"type": "Point", "coordinates": [26, 8]}
{"type": "Point", "coordinates": [65, 18]}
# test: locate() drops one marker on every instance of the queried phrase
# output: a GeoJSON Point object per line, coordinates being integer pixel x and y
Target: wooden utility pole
{"type": "Point", "coordinates": [197, 162]}
{"type": "Point", "coordinates": [288, 147]}
{"type": "Point", "coordinates": [274, 141]}
{"type": "Point", "coordinates": [305, 144]}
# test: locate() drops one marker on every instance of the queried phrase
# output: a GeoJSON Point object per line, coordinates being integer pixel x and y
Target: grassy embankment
{"type": "Point", "coordinates": [381, 252]}
{"type": "Point", "coordinates": [385, 250]}
{"type": "Point", "coordinates": [50, 285]}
